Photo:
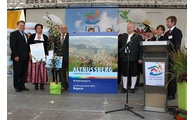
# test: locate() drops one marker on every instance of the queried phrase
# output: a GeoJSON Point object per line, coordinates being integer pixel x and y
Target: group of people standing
{"type": "Point", "coordinates": [174, 35]}
{"type": "Point", "coordinates": [27, 71]}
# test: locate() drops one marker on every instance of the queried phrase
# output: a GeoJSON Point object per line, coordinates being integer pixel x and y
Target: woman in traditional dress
{"type": "Point", "coordinates": [37, 73]}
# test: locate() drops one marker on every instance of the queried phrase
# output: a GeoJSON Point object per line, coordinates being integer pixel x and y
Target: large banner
{"type": "Point", "coordinates": [152, 17]}
{"type": "Point", "coordinates": [93, 62]}
{"type": "Point", "coordinates": [79, 20]}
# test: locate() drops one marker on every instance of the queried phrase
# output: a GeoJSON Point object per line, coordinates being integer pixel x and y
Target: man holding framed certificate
{"type": "Point", "coordinates": [61, 48]}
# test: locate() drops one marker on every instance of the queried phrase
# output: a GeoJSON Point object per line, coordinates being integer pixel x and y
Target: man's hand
{"type": "Point", "coordinates": [140, 61]}
{"type": "Point", "coordinates": [16, 59]}
{"type": "Point", "coordinates": [30, 55]}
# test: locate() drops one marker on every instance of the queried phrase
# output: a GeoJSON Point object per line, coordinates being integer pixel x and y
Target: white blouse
{"type": "Point", "coordinates": [41, 37]}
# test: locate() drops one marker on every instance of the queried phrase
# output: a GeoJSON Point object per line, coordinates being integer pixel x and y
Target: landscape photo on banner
{"type": "Point", "coordinates": [93, 67]}
{"type": "Point", "coordinates": [79, 20]}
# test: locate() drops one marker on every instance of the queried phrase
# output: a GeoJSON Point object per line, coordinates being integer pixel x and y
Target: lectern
{"type": "Point", "coordinates": [155, 67]}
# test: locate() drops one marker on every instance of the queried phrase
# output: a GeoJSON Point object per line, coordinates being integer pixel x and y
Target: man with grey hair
{"type": "Point", "coordinates": [135, 57]}
{"type": "Point", "coordinates": [61, 48]}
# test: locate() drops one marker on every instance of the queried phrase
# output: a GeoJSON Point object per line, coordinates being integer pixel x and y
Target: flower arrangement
{"type": "Point", "coordinates": [38, 60]}
{"type": "Point", "coordinates": [179, 65]}
{"type": "Point", "coordinates": [55, 62]}
{"type": "Point", "coordinates": [178, 70]}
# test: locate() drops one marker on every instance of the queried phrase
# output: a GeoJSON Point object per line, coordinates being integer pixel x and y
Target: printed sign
{"type": "Point", "coordinates": [93, 62]}
{"type": "Point", "coordinates": [155, 73]}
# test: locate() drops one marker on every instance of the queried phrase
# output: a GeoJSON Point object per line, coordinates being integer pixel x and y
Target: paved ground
{"type": "Point", "coordinates": [41, 105]}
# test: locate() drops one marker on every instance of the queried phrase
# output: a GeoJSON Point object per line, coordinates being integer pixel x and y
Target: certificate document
{"type": "Point", "coordinates": [37, 51]}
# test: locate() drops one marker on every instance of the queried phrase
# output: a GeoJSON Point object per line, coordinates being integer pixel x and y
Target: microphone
{"type": "Point", "coordinates": [147, 26]}
{"type": "Point", "coordinates": [145, 29]}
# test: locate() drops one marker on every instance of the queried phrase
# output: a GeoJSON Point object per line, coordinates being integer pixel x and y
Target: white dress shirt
{"type": "Point", "coordinates": [128, 40]}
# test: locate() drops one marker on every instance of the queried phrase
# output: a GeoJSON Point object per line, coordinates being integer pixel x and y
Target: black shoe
{"type": "Point", "coordinates": [41, 86]}
{"type": "Point", "coordinates": [171, 97]}
{"type": "Point", "coordinates": [18, 90]}
{"type": "Point", "coordinates": [141, 84]}
{"type": "Point", "coordinates": [123, 90]}
{"type": "Point", "coordinates": [24, 89]}
{"type": "Point", "coordinates": [132, 91]}
{"type": "Point", "coordinates": [36, 86]}
{"type": "Point", "coordinates": [136, 88]}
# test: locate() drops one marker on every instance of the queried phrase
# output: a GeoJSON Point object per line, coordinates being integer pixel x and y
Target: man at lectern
{"type": "Point", "coordinates": [135, 57]}
{"type": "Point", "coordinates": [174, 35]}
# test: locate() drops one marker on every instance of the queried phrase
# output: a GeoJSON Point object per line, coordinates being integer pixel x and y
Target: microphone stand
{"type": "Point", "coordinates": [126, 106]}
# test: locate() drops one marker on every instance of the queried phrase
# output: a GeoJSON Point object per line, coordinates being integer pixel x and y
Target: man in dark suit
{"type": "Point", "coordinates": [20, 53]}
{"type": "Point", "coordinates": [174, 35]}
{"type": "Point", "coordinates": [61, 48]}
{"type": "Point", "coordinates": [135, 56]}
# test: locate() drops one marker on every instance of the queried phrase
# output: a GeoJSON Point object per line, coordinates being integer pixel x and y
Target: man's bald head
{"type": "Point", "coordinates": [130, 28]}
{"type": "Point", "coordinates": [63, 28]}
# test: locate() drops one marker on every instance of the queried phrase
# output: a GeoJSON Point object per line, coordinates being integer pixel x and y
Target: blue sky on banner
{"type": "Point", "coordinates": [79, 20]}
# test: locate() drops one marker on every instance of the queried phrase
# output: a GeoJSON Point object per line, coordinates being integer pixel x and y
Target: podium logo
{"type": "Point", "coordinates": [92, 17]}
{"type": "Point", "coordinates": [155, 70]}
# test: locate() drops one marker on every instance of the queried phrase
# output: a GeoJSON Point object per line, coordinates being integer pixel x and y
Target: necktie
{"type": "Point", "coordinates": [168, 32]}
{"type": "Point", "coordinates": [157, 38]}
{"type": "Point", "coordinates": [24, 37]}
{"type": "Point", "coordinates": [62, 38]}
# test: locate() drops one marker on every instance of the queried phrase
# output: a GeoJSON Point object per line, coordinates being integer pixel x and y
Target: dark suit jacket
{"type": "Point", "coordinates": [135, 50]}
{"type": "Point", "coordinates": [175, 37]}
{"type": "Point", "coordinates": [160, 39]}
{"type": "Point", "coordinates": [147, 40]}
{"type": "Point", "coordinates": [18, 46]}
{"type": "Point", "coordinates": [62, 50]}
{"type": "Point", "coordinates": [45, 42]}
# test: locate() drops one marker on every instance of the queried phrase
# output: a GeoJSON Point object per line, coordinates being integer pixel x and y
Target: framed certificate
{"type": "Point", "coordinates": [37, 51]}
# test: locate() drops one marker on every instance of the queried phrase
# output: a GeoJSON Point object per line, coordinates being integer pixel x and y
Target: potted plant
{"type": "Point", "coordinates": [55, 87]}
{"type": "Point", "coordinates": [179, 68]}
